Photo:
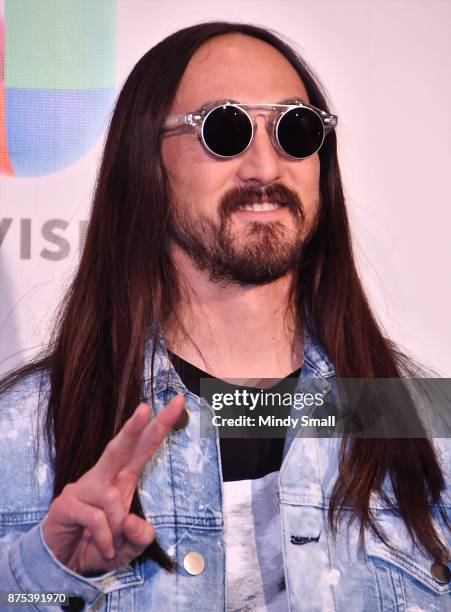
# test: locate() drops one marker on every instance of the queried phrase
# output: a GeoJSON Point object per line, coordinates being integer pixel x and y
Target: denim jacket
{"type": "Point", "coordinates": [181, 493]}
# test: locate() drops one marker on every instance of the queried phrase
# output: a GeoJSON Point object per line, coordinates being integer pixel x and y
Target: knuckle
{"type": "Point", "coordinates": [97, 518]}
{"type": "Point", "coordinates": [69, 489]}
{"type": "Point", "coordinates": [125, 556]}
{"type": "Point", "coordinates": [112, 495]}
{"type": "Point", "coordinates": [110, 449]}
{"type": "Point", "coordinates": [113, 450]}
{"type": "Point", "coordinates": [57, 506]}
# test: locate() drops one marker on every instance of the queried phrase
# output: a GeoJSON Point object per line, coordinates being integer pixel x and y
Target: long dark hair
{"type": "Point", "coordinates": [126, 289]}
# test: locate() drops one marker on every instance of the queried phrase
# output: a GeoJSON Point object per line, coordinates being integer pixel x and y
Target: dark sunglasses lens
{"type": "Point", "coordinates": [227, 131]}
{"type": "Point", "coordinates": [300, 132]}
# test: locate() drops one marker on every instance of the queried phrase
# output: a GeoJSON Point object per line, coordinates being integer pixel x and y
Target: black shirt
{"type": "Point", "coordinates": [241, 458]}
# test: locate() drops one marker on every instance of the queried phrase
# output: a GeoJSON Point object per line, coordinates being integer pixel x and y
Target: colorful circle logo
{"type": "Point", "coordinates": [57, 81]}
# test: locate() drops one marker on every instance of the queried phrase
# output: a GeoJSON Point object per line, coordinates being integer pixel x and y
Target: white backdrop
{"type": "Point", "coordinates": [387, 68]}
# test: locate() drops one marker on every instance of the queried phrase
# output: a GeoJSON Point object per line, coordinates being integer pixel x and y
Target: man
{"type": "Point", "coordinates": [218, 247]}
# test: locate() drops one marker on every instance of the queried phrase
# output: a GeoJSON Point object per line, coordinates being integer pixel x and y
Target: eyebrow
{"type": "Point", "coordinates": [292, 99]}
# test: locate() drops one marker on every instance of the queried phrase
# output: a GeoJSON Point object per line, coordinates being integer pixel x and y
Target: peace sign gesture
{"type": "Point", "coordinates": [89, 527]}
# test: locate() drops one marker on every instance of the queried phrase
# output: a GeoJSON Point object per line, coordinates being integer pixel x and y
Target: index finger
{"type": "Point", "coordinates": [153, 435]}
{"type": "Point", "coordinates": [122, 447]}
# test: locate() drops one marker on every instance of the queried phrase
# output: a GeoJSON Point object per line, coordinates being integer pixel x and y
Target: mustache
{"type": "Point", "coordinates": [277, 193]}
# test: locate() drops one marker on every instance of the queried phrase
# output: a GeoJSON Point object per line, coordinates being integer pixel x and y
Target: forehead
{"type": "Point", "coordinates": [238, 67]}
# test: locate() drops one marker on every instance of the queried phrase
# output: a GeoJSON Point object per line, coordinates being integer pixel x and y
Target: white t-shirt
{"type": "Point", "coordinates": [255, 578]}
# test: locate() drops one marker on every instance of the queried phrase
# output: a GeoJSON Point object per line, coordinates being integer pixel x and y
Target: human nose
{"type": "Point", "coordinates": [260, 162]}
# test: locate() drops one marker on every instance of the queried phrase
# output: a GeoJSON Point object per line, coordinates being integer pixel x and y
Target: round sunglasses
{"type": "Point", "coordinates": [226, 128]}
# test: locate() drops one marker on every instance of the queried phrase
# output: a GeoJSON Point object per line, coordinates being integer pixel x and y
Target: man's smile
{"type": "Point", "coordinates": [261, 211]}
{"type": "Point", "coordinates": [256, 206]}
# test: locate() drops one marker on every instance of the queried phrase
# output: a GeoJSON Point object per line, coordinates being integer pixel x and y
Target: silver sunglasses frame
{"type": "Point", "coordinates": [196, 120]}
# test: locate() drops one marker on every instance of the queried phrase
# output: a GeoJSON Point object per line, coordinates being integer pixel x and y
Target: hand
{"type": "Point", "coordinates": [89, 527]}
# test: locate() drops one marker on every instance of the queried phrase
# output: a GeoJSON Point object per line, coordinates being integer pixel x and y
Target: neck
{"type": "Point", "coordinates": [232, 331]}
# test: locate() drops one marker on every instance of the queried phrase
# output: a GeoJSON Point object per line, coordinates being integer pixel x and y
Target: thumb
{"type": "Point", "coordinates": [138, 531]}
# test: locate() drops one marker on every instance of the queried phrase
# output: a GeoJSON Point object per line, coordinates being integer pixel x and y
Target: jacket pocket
{"type": "Point", "coordinates": [119, 587]}
{"type": "Point", "coordinates": [121, 578]}
{"type": "Point", "coordinates": [404, 567]}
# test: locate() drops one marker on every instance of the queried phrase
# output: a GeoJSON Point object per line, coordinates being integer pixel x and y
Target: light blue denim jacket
{"type": "Point", "coordinates": [181, 492]}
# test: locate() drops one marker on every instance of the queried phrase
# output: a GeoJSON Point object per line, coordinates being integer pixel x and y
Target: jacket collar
{"type": "Point", "coordinates": [316, 364]}
{"type": "Point", "coordinates": [315, 356]}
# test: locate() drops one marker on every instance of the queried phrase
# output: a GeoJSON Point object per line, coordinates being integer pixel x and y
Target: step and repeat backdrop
{"type": "Point", "coordinates": [385, 65]}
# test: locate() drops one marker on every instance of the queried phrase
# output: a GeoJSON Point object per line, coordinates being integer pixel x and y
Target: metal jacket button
{"type": "Point", "coordinates": [441, 572]}
{"type": "Point", "coordinates": [194, 563]}
{"type": "Point", "coordinates": [182, 421]}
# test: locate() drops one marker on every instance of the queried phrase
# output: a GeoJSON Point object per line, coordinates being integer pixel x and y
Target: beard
{"type": "Point", "coordinates": [257, 254]}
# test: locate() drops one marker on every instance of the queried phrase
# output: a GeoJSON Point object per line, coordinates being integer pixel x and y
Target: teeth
{"type": "Point", "coordinates": [260, 207]}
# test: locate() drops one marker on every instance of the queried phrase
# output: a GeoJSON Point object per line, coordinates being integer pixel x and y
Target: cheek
{"type": "Point", "coordinates": [306, 179]}
{"type": "Point", "coordinates": [195, 179]}
{"type": "Point", "coordinates": [310, 173]}
{"type": "Point", "coordinates": [171, 162]}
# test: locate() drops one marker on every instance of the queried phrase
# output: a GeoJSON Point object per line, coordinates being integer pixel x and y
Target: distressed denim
{"type": "Point", "coordinates": [181, 492]}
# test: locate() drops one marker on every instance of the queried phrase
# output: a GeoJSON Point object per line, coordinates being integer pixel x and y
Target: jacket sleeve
{"type": "Point", "coordinates": [27, 565]}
